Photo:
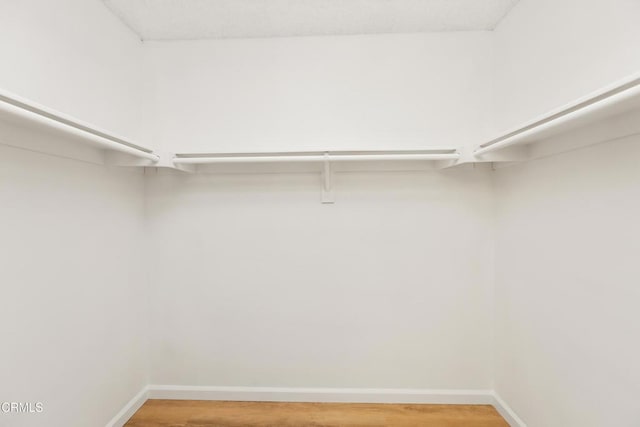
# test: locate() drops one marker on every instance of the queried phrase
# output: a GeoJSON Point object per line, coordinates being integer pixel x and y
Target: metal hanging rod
{"type": "Point", "coordinates": [29, 111]}
{"type": "Point", "coordinates": [318, 156]}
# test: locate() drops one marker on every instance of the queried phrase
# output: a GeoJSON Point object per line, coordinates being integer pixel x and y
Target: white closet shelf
{"type": "Point", "coordinates": [325, 162]}
{"type": "Point", "coordinates": [613, 100]}
{"type": "Point", "coordinates": [28, 115]}
{"type": "Point", "coordinates": [618, 104]}
{"type": "Point", "coordinates": [433, 154]}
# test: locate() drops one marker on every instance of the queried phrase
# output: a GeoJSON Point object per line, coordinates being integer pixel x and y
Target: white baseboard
{"type": "Point", "coordinates": [350, 395]}
{"type": "Point", "coordinates": [339, 395]}
{"type": "Point", "coordinates": [129, 409]}
{"type": "Point", "coordinates": [507, 413]}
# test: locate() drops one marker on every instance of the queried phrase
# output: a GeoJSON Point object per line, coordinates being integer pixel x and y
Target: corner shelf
{"type": "Point", "coordinates": [35, 127]}
{"type": "Point", "coordinates": [547, 134]}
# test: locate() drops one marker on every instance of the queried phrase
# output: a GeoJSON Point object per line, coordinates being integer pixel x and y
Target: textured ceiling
{"type": "Point", "coordinates": [207, 19]}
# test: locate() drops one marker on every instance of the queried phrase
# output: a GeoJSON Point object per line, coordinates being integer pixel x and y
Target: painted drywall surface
{"type": "Point", "coordinates": [318, 93]}
{"type": "Point", "coordinates": [258, 284]}
{"type": "Point", "coordinates": [567, 317]}
{"type": "Point", "coordinates": [550, 52]}
{"type": "Point", "coordinates": [193, 20]}
{"type": "Point", "coordinates": [73, 289]}
{"type": "Point", "coordinates": [76, 57]}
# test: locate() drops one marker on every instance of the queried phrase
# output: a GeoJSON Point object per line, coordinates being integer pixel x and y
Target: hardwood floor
{"type": "Point", "coordinates": [197, 413]}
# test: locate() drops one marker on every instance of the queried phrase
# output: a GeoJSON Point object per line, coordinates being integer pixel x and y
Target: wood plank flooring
{"type": "Point", "coordinates": [198, 413]}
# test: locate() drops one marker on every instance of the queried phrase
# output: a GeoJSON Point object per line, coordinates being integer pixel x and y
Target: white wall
{"type": "Point", "coordinates": [255, 283]}
{"type": "Point", "coordinates": [73, 289]}
{"type": "Point", "coordinates": [566, 291]}
{"type": "Point", "coordinates": [550, 52]}
{"type": "Point", "coordinates": [317, 93]}
{"type": "Point", "coordinates": [76, 57]}
{"type": "Point", "coordinates": [73, 275]}
{"type": "Point", "coordinates": [567, 287]}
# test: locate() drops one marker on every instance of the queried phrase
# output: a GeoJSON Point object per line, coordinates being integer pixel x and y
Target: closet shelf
{"type": "Point", "coordinates": [613, 100]}
{"type": "Point", "coordinates": [29, 115]}
{"type": "Point", "coordinates": [325, 162]}
{"type": "Point", "coordinates": [433, 154]}
{"type": "Point", "coordinates": [587, 112]}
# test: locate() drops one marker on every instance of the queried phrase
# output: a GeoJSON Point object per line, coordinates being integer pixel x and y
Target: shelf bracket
{"type": "Point", "coordinates": [445, 164]}
{"type": "Point", "coordinates": [117, 158]}
{"type": "Point", "coordinates": [507, 154]}
{"type": "Point", "coordinates": [327, 178]}
{"type": "Point", "coordinates": [166, 161]}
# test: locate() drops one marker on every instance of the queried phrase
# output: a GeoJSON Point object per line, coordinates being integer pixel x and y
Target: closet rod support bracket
{"type": "Point", "coordinates": [327, 181]}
